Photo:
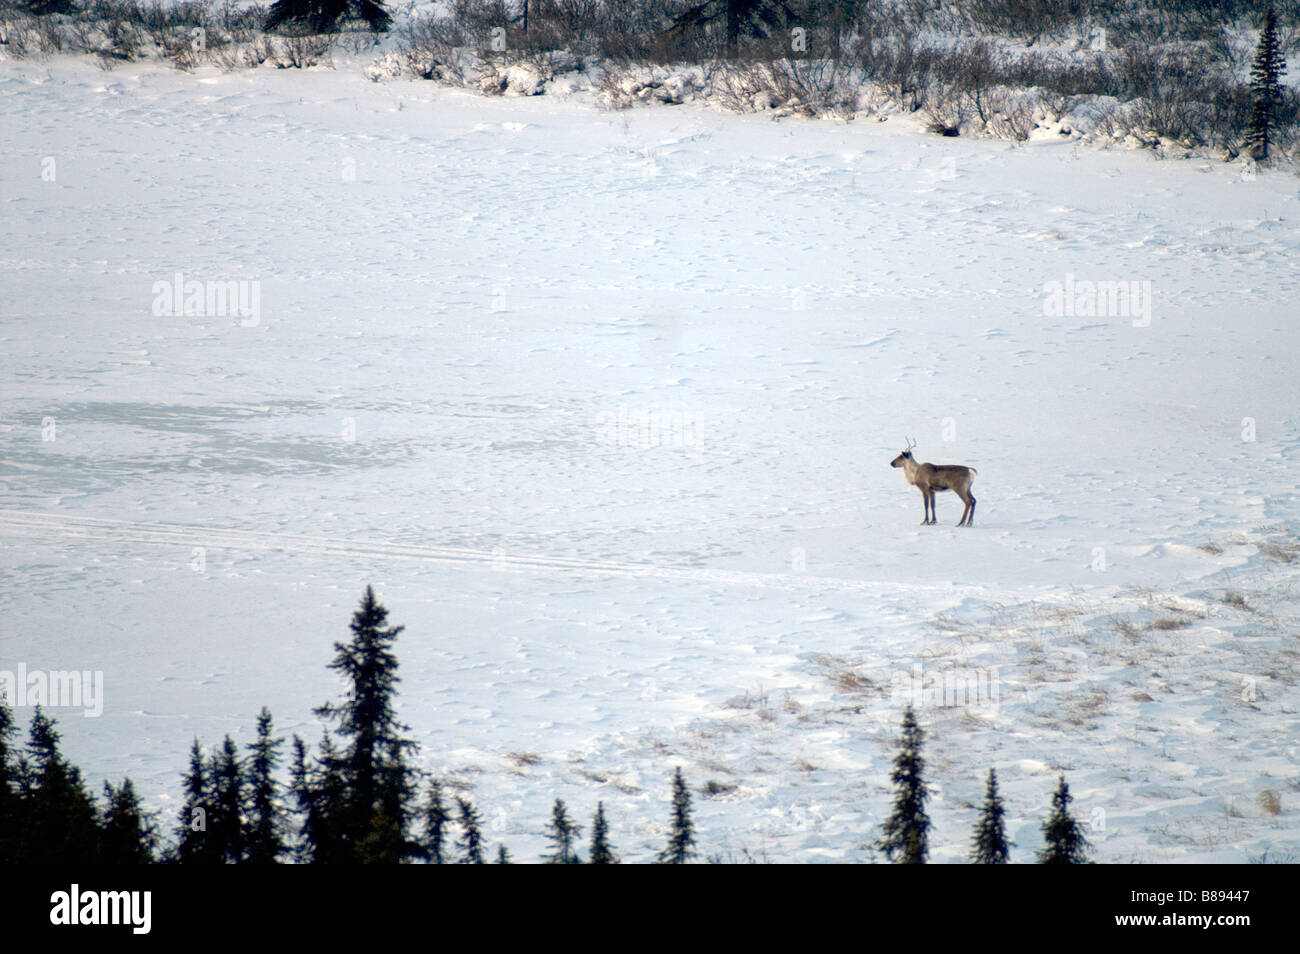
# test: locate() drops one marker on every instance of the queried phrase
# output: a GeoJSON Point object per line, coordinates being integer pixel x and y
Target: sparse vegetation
{"type": "Point", "coordinates": [1163, 76]}
{"type": "Point", "coordinates": [1126, 628]}
{"type": "Point", "coordinates": [1280, 552]}
{"type": "Point", "coordinates": [1270, 857]}
{"type": "Point", "coordinates": [248, 822]}
{"type": "Point", "coordinates": [1235, 600]}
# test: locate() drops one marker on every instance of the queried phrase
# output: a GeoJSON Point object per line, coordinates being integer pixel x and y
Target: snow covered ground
{"type": "Point", "coordinates": [603, 405]}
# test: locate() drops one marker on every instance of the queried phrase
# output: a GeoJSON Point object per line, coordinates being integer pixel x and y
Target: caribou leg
{"type": "Point", "coordinates": [967, 514]}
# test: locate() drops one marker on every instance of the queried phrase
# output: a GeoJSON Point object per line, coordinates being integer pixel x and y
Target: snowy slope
{"type": "Point", "coordinates": [469, 313]}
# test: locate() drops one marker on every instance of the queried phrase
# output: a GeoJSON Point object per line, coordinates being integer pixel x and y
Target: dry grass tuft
{"type": "Point", "coordinates": [1235, 599]}
{"type": "Point", "coordinates": [1126, 628]}
{"type": "Point", "coordinates": [1281, 552]}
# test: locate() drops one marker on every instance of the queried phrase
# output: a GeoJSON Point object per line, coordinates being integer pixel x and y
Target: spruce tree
{"type": "Point", "coordinates": [61, 821]}
{"type": "Point", "coordinates": [1266, 88]}
{"type": "Point", "coordinates": [378, 778]}
{"type": "Point", "coordinates": [305, 799]}
{"type": "Point", "coordinates": [128, 835]}
{"type": "Point", "coordinates": [436, 818]}
{"type": "Point", "coordinates": [193, 846]}
{"type": "Point", "coordinates": [264, 837]}
{"type": "Point", "coordinates": [990, 838]}
{"type": "Point", "coordinates": [1065, 841]}
{"type": "Point", "coordinates": [326, 16]}
{"type": "Point", "coordinates": [319, 796]}
{"type": "Point", "coordinates": [471, 833]}
{"type": "Point", "coordinates": [11, 817]}
{"type": "Point", "coordinates": [562, 834]}
{"type": "Point", "coordinates": [681, 841]}
{"type": "Point", "coordinates": [383, 843]}
{"type": "Point", "coordinates": [503, 855]}
{"type": "Point", "coordinates": [226, 825]}
{"type": "Point", "coordinates": [42, 8]}
{"type": "Point", "coordinates": [906, 830]}
{"type": "Point", "coordinates": [601, 853]}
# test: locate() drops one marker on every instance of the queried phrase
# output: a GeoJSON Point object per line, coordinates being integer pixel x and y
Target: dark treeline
{"type": "Point", "coordinates": [360, 798]}
{"type": "Point", "coordinates": [1160, 71]}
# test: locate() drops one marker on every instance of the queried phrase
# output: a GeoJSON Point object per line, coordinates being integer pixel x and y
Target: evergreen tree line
{"type": "Point", "coordinates": [48, 816]}
{"type": "Point", "coordinates": [355, 799]}
{"type": "Point", "coordinates": [905, 833]}
{"type": "Point", "coordinates": [352, 801]}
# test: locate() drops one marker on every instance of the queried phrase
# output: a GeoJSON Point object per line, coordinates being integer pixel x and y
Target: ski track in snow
{"type": "Point", "coordinates": [46, 526]}
{"type": "Point", "coordinates": [471, 310]}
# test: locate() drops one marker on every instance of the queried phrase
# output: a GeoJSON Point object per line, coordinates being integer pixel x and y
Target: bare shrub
{"type": "Point", "coordinates": [654, 32]}
{"type": "Point", "coordinates": [946, 106]}
{"type": "Point", "coordinates": [476, 19]}
{"type": "Point", "coordinates": [430, 47]}
{"type": "Point", "coordinates": [1109, 120]}
{"type": "Point", "coordinates": [256, 53]}
{"type": "Point", "coordinates": [183, 55]}
{"type": "Point", "coordinates": [300, 52]}
{"type": "Point", "coordinates": [114, 31]}
{"type": "Point", "coordinates": [357, 42]}
{"type": "Point", "coordinates": [24, 35]}
{"type": "Point", "coordinates": [164, 23]}
{"type": "Point", "coordinates": [613, 88]}
{"type": "Point", "coordinates": [1170, 90]}
{"type": "Point", "coordinates": [977, 70]}
{"type": "Point", "coordinates": [562, 24]}
{"type": "Point", "coordinates": [901, 65]}
{"type": "Point", "coordinates": [1011, 113]}
{"type": "Point", "coordinates": [1031, 19]}
{"type": "Point", "coordinates": [121, 41]}
{"type": "Point", "coordinates": [243, 56]}
{"type": "Point", "coordinates": [805, 87]}
{"type": "Point", "coordinates": [14, 39]}
{"type": "Point", "coordinates": [1170, 116]}
{"type": "Point", "coordinates": [241, 23]}
{"type": "Point", "coordinates": [1235, 600]}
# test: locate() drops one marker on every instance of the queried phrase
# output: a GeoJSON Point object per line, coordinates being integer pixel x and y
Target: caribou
{"type": "Point", "coordinates": [928, 478]}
